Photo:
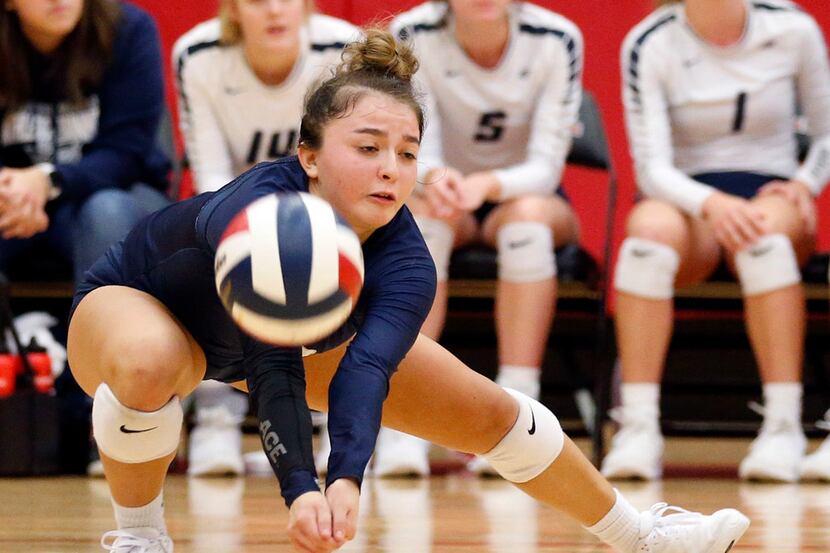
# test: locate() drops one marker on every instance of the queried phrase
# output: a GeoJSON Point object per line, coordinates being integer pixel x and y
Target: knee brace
{"type": "Point", "coordinates": [525, 252]}
{"type": "Point", "coordinates": [646, 268]}
{"type": "Point", "coordinates": [439, 237]}
{"type": "Point", "coordinates": [132, 436]}
{"type": "Point", "coordinates": [534, 442]}
{"type": "Point", "coordinates": [767, 265]}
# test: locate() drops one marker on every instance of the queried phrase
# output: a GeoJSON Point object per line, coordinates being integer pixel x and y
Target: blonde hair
{"type": "Point", "coordinates": [231, 32]}
{"type": "Point", "coordinates": [376, 63]}
{"type": "Point", "coordinates": [661, 3]}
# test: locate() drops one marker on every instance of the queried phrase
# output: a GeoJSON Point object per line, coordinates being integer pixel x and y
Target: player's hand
{"type": "Point", "coordinates": [736, 222]}
{"type": "Point", "coordinates": [799, 194]}
{"type": "Point", "coordinates": [23, 196]}
{"type": "Point", "coordinates": [442, 191]}
{"type": "Point", "coordinates": [309, 524]}
{"type": "Point", "coordinates": [477, 188]}
{"type": "Point", "coordinates": [344, 500]}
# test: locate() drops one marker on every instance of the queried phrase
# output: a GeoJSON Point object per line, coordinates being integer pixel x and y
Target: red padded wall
{"type": "Point", "coordinates": [604, 23]}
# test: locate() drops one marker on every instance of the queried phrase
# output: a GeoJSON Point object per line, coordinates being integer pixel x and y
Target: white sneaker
{"type": "Point", "coordinates": [216, 443]}
{"type": "Point", "coordinates": [257, 463]}
{"type": "Point", "coordinates": [137, 540]}
{"type": "Point", "coordinates": [776, 454]}
{"type": "Point", "coordinates": [816, 466]}
{"type": "Point", "coordinates": [321, 457]}
{"type": "Point", "coordinates": [480, 466]}
{"type": "Point", "coordinates": [683, 531]}
{"type": "Point", "coordinates": [636, 449]}
{"type": "Point", "coordinates": [399, 454]}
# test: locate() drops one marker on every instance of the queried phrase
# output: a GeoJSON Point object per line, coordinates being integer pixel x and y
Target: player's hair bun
{"type": "Point", "coordinates": [379, 52]}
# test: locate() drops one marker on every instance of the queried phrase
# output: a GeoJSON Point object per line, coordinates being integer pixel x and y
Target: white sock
{"type": "Point", "coordinates": [782, 400]}
{"type": "Point", "coordinates": [211, 393]}
{"type": "Point", "coordinates": [151, 515]}
{"type": "Point", "coordinates": [641, 398]}
{"type": "Point", "coordinates": [620, 527]}
{"type": "Point", "coordinates": [519, 378]}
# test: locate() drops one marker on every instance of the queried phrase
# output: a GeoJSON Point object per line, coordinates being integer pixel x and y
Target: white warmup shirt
{"type": "Point", "coordinates": [229, 118]}
{"type": "Point", "coordinates": [692, 107]}
{"type": "Point", "coordinates": [515, 119]}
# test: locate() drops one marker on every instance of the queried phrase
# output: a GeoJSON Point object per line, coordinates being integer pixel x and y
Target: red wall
{"type": "Point", "coordinates": [604, 23]}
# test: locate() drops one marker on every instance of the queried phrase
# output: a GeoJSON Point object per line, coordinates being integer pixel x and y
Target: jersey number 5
{"type": "Point", "coordinates": [490, 126]}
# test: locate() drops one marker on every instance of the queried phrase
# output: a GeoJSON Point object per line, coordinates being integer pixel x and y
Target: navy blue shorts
{"type": "Point", "coordinates": [737, 183]}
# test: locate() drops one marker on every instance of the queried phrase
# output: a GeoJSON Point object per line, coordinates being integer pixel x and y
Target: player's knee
{"type": "Point", "coordinates": [439, 237]}
{"type": "Point", "coordinates": [527, 208]}
{"type": "Point", "coordinates": [768, 265]}
{"type": "Point", "coordinates": [130, 435]}
{"type": "Point", "coordinates": [652, 220]}
{"type": "Point", "coordinates": [646, 268]}
{"type": "Point", "coordinates": [533, 442]}
{"type": "Point", "coordinates": [525, 252]}
{"type": "Point", "coordinates": [146, 373]}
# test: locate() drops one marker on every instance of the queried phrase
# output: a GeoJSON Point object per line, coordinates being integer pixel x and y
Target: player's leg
{"type": "Point", "coordinates": [664, 247]}
{"type": "Point", "coordinates": [130, 354]}
{"type": "Point", "coordinates": [435, 396]}
{"type": "Point", "coordinates": [525, 232]}
{"type": "Point", "coordinates": [775, 315]}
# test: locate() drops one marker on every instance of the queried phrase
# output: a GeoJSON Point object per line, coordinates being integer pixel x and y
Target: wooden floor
{"type": "Point", "coordinates": [449, 514]}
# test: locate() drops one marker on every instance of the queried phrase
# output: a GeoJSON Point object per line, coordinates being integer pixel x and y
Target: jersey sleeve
{"type": "Point", "coordinates": [397, 304]}
{"type": "Point", "coordinates": [276, 383]}
{"type": "Point", "coordinates": [649, 130]}
{"type": "Point", "coordinates": [554, 118]}
{"type": "Point", "coordinates": [813, 84]}
{"type": "Point", "coordinates": [205, 142]}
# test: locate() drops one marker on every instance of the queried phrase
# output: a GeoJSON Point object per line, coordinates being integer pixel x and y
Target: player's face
{"type": "Point", "coordinates": [366, 166]}
{"type": "Point", "coordinates": [270, 24]}
{"type": "Point", "coordinates": [47, 22]}
{"type": "Point", "coordinates": [479, 10]}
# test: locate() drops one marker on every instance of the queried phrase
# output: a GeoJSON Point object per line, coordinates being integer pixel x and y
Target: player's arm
{"type": "Point", "coordinates": [554, 118]}
{"type": "Point", "coordinates": [813, 84]}
{"type": "Point", "coordinates": [398, 302]}
{"type": "Point", "coordinates": [649, 130]}
{"type": "Point", "coordinates": [206, 145]}
{"type": "Point", "coordinates": [276, 384]}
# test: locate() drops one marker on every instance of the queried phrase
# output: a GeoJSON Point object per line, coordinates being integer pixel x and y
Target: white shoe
{"type": "Point", "coordinates": [216, 443]}
{"type": "Point", "coordinates": [636, 449]}
{"type": "Point", "coordinates": [481, 467]}
{"type": "Point", "coordinates": [816, 466]}
{"type": "Point", "coordinates": [399, 454]}
{"type": "Point", "coordinates": [137, 540]}
{"type": "Point", "coordinates": [776, 454]}
{"type": "Point", "coordinates": [683, 531]}
{"type": "Point", "coordinates": [321, 458]}
{"type": "Point", "coordinates": [257, 463]}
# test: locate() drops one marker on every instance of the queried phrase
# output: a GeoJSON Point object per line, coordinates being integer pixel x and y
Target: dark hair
{"type": "Point", "coordinates": [77, 65]}
{"type": "Point", "coordinates": [375, 64]}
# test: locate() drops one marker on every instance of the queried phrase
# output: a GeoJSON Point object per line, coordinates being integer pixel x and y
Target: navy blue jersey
{"type": "Point", "coordinates": [170, 255]}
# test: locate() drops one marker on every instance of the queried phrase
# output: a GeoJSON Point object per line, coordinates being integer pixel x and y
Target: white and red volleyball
{"type": "Point", "coordinates": [289, 269]}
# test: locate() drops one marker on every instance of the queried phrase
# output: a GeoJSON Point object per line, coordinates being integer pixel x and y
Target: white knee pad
{"type": "Point", "coordinates": [646, 268]}
{"type": "Point", "coordinates": [132, 436]}
{"type": "Point", "coordinates": [439, 237]}
{"type": "Point", "coordinates": [526, 252]}
{"type": "Point", "coordinates": [534, 442]}
{"type": "Point", "coordinates": [767, 265]}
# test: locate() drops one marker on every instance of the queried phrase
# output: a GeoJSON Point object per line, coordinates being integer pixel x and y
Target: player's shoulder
{"type": "Point", "coordinates": [655, 28]}
{"type": "Point", "coordinates": [538, 21]}
{"type": "Point", "coordinates": [202, 40]}
{"type": "Point", "coordinates": [424, 19]}
{"type": "Point", "coordinates": [782, 13]}
{"type": "Point", "coordinates": [324, 30]}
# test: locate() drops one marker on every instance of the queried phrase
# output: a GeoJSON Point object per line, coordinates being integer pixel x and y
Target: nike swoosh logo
{"type": "Point", "coordinates": [641, 253]}
{"type": "Point", "coordinates": [126, 430]}
{"type": "Point", "coordinates": [758, 252]}
{"type": "Point", "coordinates": [233, 91]}
{"type": "Point", "coordinates": [728, 549]}
{"type": "Point", "coordinates": [519, 243]}
{"type": "Point", "coordinates": [532, 429]}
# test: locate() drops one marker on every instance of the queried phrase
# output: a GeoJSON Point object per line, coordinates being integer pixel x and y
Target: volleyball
{"type": "Point", "coordinates": [289, 269]}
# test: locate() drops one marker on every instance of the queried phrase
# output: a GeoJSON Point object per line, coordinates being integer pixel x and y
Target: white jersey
{"type": "Point", "coordinates": [229, 118]}
{"type": "Point", "coordinates": [694, 108]}
{"type": "Point", "coordinates": [516, 119]}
